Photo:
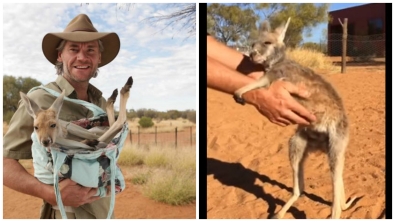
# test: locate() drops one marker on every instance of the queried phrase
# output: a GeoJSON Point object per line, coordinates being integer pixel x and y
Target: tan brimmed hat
{"type": "Point", "coordinates": [81, 29]}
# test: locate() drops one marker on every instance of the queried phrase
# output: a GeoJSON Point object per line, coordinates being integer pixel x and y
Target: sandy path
{"type": "Point", "coordinates": [129, 204]}
{"type": "Point", "coordinates": [249, 175]}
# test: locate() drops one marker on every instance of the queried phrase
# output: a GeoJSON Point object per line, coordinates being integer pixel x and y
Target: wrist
{"type": "Point", "coordinates": [252, 97]}
{"type": "Point", "coordinates": [48, 194]}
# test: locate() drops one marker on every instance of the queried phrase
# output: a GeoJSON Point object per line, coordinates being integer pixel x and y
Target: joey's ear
{"type": "Point", "coordinates": [282, 30]}
{"type": "Point", "coordinates": [57, 104]}
{"type": "Point", "coordinates": [31, 107]}
{"type": "Point", "coordinates": [264, 27]}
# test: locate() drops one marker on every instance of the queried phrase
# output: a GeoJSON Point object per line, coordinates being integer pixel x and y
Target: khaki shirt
{"type": "Point", "coordinates": [17, 141]}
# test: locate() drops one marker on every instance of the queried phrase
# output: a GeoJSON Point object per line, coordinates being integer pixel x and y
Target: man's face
{"type": "Point", "coordinates": [80, 60]}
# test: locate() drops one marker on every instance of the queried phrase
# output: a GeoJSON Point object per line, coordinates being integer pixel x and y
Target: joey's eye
{"type": "Point", "coordinates": [53, 125]}
{"type": "Point", "coordinates": [267, 43]}
{"type": "Point", "coordinates": [36, 128]}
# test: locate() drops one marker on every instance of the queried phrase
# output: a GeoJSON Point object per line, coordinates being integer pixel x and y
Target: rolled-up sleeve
{"type": "Point", "coordinates": [17, 141]}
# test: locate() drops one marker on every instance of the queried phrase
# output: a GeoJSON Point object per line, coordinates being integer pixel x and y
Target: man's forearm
{"type": "Point", "coordinates": [17, 178]}
{"type": "Point", "coordinates": [224, 79]}
{"type": "Point", "coordinates": [231, 58]}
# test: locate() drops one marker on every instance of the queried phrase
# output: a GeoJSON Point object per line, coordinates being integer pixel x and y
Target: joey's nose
{"type": "Point", "coordinates": [45, 143]}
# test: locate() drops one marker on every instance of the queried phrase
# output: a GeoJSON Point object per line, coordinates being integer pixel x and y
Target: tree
{"type": "Point", "coordinates": [150, 113]}
{"type": "Point", "coordinates": [230, 23]}
{"type": "Point", "coordinates": [11, 97]}
{"type": "Point", "coordinates": [140, 112]}
{"type": "Point", "coordinates": [174, 114]}
{"type": "Point", "coordinates": [304, 17]}
{"type": "Point", "coordinates": [180, 13]}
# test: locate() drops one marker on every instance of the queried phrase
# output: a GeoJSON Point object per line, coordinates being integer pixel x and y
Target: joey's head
{"type": "Point", "coordinates": [45, 122]}
{"type": "Point", "coordinates": [269, 48]}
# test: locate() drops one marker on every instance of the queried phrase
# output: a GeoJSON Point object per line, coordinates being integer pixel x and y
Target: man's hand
{"type": "Point", "coordinates": [75, 195]}
{"type": "Point", "coordinates": [277, 104]}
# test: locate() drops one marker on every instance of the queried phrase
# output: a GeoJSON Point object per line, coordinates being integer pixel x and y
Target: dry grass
{"type": "Point", "coordinates": [165, 174]}
{"type": "Point", "coordinates": [313, 59]}
{"type": "Point", "coordinates": [162, 126]}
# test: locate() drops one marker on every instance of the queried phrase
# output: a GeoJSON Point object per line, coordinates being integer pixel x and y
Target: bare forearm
{"type": "Point", "coordinates": [17, 178]}
{"type": "Point", "coordinates": [224, 79]}
{"type": "Point", "coordinates": [231, 58]}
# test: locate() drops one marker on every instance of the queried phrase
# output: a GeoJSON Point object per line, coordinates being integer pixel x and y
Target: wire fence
{"type": "Point", "coordinates": [359, 48]}
{"type": "Point", "coordinates": [179, 137]}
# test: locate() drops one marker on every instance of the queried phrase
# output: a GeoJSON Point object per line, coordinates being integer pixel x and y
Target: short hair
{"type": "Point", "coordinates": [59, 65]}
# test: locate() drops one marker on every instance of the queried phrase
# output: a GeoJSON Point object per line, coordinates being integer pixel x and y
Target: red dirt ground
{"type": "Point", "coordinates": [249, 175]}
{"type": "Point", "coordinates": [129, 204]}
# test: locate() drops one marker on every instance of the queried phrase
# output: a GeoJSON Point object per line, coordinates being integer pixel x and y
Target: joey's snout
{"type": "Point", "coordinates": [47, 142]}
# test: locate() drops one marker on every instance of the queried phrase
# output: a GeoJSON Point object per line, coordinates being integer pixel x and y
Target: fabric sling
{"type": "Point", "coordinates": [79, 162]}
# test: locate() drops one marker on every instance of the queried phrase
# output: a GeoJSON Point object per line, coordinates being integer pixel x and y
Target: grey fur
{"type": "Point", "coordinates": [330, 132]}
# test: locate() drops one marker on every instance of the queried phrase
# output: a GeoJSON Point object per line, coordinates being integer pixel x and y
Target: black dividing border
{"type": "Point", "coordinates": [202, 149]}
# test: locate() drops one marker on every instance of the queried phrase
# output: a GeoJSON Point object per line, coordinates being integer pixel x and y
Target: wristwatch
{"type": "Point", "coordinates": [239, 100]}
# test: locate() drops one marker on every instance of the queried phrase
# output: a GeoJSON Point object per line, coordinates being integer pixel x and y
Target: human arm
{"type": "Point", "coordinates": [276, 102]}
{"type": "Point", "coordinates": [17, 178]}
{"type": "Point", "coordinates": [232, 59]}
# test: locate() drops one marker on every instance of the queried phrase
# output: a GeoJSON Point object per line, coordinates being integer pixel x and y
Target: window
{"type": "Point", "coordinates": [375, 26]}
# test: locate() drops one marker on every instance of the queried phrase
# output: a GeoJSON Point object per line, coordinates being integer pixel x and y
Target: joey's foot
{"type": "Point", "coordinates": [91, 143]}
{"type": "Point", "coordinates": [113, 96]}
{"type": "Point", "coordinates": [239, 99]}
{"type": "Point", "coordinates": [127, 86]}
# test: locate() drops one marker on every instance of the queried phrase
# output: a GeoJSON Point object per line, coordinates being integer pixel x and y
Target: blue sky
{"type": "Point", "coordinates": [163, 64]}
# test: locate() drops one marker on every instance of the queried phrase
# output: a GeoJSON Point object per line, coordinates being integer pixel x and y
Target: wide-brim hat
{"type": "Point", "coordinates": [81, 29]}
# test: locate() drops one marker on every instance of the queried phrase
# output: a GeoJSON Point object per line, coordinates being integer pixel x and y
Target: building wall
{"type": "Point", "coordinates": [358, 19]}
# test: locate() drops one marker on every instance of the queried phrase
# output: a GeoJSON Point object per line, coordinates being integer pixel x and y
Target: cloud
{"type": "Point", "coordinates": [163, 64]}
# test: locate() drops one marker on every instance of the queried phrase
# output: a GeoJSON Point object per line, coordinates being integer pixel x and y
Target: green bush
{"type": "Point", "coordinates": [145, 122]}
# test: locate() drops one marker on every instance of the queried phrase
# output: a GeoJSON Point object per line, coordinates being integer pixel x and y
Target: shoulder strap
{"type": "Point", "coordinates": [95, 109]}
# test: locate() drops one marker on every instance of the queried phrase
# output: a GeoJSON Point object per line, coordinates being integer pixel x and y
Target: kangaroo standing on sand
{"type": "Point", "coordinates": [330, 131]}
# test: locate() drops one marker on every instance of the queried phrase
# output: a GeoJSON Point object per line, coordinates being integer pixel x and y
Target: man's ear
{"type": "Point", "coordinates": [59, 59]}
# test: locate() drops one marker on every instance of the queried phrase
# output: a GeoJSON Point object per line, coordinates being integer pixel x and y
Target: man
{"type": "Point", "coordinates": [77, 53]}
{"type": "Point", "coordinates": [225, 69]}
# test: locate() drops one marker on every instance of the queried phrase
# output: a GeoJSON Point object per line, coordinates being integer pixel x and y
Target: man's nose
{"type": "Point", "coordinates": [81, 55]}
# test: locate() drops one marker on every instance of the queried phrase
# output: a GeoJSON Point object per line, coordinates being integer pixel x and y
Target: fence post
{"type": "Point", "coordinates": [344, 44]}
{"type": "Point", "coordinates": [176, 137]}
{"type": "Point", "coordinates": [155, 135]}
{"type": "Point", "coordinates": [190, 134]}
{"type": "Point", "coordinates": [138, 133]}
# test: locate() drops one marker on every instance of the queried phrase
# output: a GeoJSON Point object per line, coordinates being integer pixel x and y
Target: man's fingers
{"type": "Point", "coordinates": [281, 121]}
{"type": "Point", "coordinates": [92, 192]}
{"type": "Point", "coordinates": [296, 119]}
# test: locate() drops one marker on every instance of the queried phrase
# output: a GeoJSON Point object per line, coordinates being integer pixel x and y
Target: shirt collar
{"type": "Point", "coordinates": [93, 93]}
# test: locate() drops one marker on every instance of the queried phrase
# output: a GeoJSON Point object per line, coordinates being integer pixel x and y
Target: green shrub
{"type": "Point", "coordinates": [145, 122]}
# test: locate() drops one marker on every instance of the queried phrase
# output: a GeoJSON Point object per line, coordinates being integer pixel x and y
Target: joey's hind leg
{"type": "Point", "coordinates": [110, 107]}
{"type": "Point", "coordinates": [297, 147]}
{"type": "Point", "coordinates": [337, 148]}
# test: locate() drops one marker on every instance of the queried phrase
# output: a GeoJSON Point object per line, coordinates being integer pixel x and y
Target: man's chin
{"type": "Point", "coordinates": [81, 77]}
